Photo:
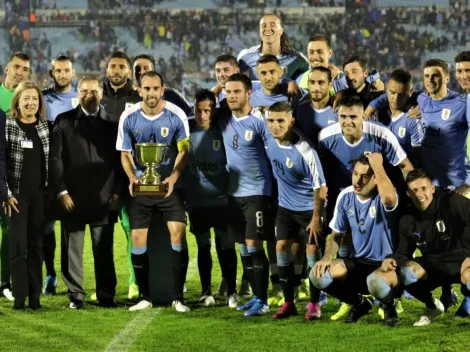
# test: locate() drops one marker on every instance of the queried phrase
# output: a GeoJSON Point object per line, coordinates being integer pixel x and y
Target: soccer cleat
{"type": "Point", "coordinates": [133, 291]}
{"type": "Point", "coordinates": [449, 300]}
{"type": "Point", "coordinates": [398, 307]}
{"type": "Point", "coordinates": [304, 290]}
{"type": "Point", "coordinates": [50, 285]}
{"type": "Point", "coordinates": [143, 304]}
{"type": "Point", "coordinates": [8, 294]}
{"type": "Point", "coordinates": [233, 301]}
{"type": "Point", "coordinates": [342, 312]}
{"type": "Point", "coordinates": [207, 300]}
{"type": "Point", "coordinates": [274, 297]}
{"type": "Point", "coordinates": [287, 310]}
{"type": "Point", "coordinates": [323, 298]}
{"type": "Point", "coordinates": [180, 306]}
{"type": "Point", "coordinates": [259, 308]}
{"type": "Point", "coordinates": [94, 297]}
{"type": "Point", "coordinates": [247, 305]}
{"type": "Point", "coordinates": [357, 312]}
{"type": "Point", "coordinates": [313, 311]}
{"type": "Point", "coordinates": [464, 309]}
{"type": "Point", "coordinates": [391, 315]}
{"type": "Point", "coordinates": [245, 289]}
{"type": "Point", "coordinates": [222, 289]}
{"type": "Point", "coordinates": [76, 304]}
{"type": "Point", "coordinates": [430, 314]}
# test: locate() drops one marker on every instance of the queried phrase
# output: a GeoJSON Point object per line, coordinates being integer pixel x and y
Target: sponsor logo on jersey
{"type": "Point", "coordinates": [402, 132]}
{"type": "Point", "coordinates": [248, 135]}
{"type": "Point", "coordinates": [75, 102]}
{"type": "Point", "coordinates": [216, 144]}
{"type": "Point", "coordinates": [289, 163]}
{"type": "Point", "coordinates": [164, 131]}
{"type": "Point", "coordinates": [372, 212]}
{"type": "Point", "coordinates": [445, 114]}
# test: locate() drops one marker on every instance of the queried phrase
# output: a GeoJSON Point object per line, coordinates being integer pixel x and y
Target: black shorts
{"type": "Point", "coordinates": [289, 223]}
{"type": "Point", "coordinates": [440, 273]}
{"type": "Point", "coordinates": [251, 218]}
{"type": "Point", "coordinates": [142, 208]}
{"type": "Point", "coordinates": [358, 270]}
{"type": "Point", "coordinates": [201, 220]}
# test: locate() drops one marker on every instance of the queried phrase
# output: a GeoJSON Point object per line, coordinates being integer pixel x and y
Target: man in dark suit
{"type": "Point", "coordinates": [85, 171]}
{"type": "Point", "coordinates": [3, 177]}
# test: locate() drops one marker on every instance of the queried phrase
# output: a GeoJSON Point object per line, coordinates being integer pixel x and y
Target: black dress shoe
{"type": "Point", "coordinates": [34, 303]}
{"type": "Point", "coordinates": [357, 312]}
{"type": "Point", "coordinates": [20, 304]}
{"type": "Point", "coordinates": [107, 303]}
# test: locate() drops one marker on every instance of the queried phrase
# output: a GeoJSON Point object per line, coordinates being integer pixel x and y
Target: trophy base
{"type": "Point", "coordinates": [150, 190]}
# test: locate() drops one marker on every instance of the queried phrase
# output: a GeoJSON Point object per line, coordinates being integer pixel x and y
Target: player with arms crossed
{"type": "Point", "coordinates": [158, 121]}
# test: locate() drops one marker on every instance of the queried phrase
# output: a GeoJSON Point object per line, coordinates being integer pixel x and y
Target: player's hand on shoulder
{"type": "Point", "coordinates": [414, 112]}
{"type": "Point", "coordinates": [378, 86]}
{"type": "Point", "coordinates": [463, 190]}
{"type": "Point", "coordinates": [294, 92]}
{"type": "Point", "coordinates": [334, 71]}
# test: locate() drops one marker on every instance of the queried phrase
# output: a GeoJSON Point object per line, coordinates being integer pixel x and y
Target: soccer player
{"type": "Point", "coordinates": [315, 114]}
{"type": "Point", "coordinates": [142, 63]}
{"type": "Point", "coordinates": [275, 42]}
{"type": "Point", "coordinates": [159, 121]}
{"type": "Point", "coordinates": [437, 223]}
{"type": "Point", "coordinates": [249, 188]}
{"type": "Point", "coordinates": [206, 180]}
{"type": "Point", "coordinates": [369, 208]}
{"type": "Point", "coordinates": [462, 73]}
{"type": "Point", "coordinates": [225, 66]}
{"type": "Point", "coordinates": [269, 72]}
{"type": "Point", "coordinates": [17, 71]}
{"type": "Point", "coordinates": [58, 99]}
{"type": "Point", "coordinates": [299, 176]}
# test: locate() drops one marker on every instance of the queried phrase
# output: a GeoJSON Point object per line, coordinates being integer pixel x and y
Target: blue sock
{"type": "Point", "coordinates": [378, 287]}
{"type": "Point", "coordinates": [323, 282]}
{"type": "Point", "coordinates": [311, 261]}
{"type": "Point", "coordinates": [284, 259]}
{"type": "Point", "coordinates": [408, 275]}
{"type": "Point", "coordinates": [138, 250]}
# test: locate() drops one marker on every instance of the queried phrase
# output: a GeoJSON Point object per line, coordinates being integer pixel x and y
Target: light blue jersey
{"type": "Point", "coordinates": [168, 127]}
{"type": "Point", "coordinates": [260, 99]}
{"type": "Point", "coordinates": [311, 121]}
{"type": "Point", "coordinates": [373, 225]}
{"type": "Point", "coordinates": [244, 140]}
{"type": "Point", "coordinates": [375, 138]}
{"type": "Point", "coordinates": [293, 64]}
{"type": "Point", "coordinates": [206, 174]}
{"type": "Point", "coordinates": [57, 103]}
{"type": "Point", "coordinates": [408, 131]}
{"type": "Point", "coordinates": [444, 147]}
{"type": "Point", "coordinates": [298, 172]}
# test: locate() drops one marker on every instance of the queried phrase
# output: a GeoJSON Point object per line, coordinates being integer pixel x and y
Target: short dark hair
{"type": "Point", "coordinates": [146, 57]}
{"type": "Point", "coordinates": [280, 106]}
{"type": "Point", "coordinates": [240, 77]}
{"type": "Point", "coordinates": [20, 55]}
{"type": "Point", "coordinates": [463, 56]}
{"type": "Point", "coordinates": [60, 58]}
{"type": "Point", "coordinates": [89, 77]}
{"type": "Point", "coordinates": [416, 174]}
{"type": "Point", "coordinates": [151, 74]}
{"type": "Point", "coordinates": [402, 76]}
{"type": "Point", "coordinates": [362, 62]}
{"type": "Point", "coordinates": [119, 55]}
{"type": "Point", "coordinates": [348, 100]}
{"type": "Point", "coordinates": [320, 38]}
{"type": "Point", "coordinates": [361, 160]}
{"type": "Point", "coordinates": [437, 63]}
{"type": "Point", "coordinates": [203, 95]}
{"type": "Point", "coordinates": [232, 60]}
{"type": "Point", "coordinates": [324, 70]}
{"type": "Point", "coordinates": [266, 59]}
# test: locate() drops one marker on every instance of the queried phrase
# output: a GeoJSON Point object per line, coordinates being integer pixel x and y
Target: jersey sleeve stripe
{"type": "Point", "coordinates": [384, 133]}
{"type": "Point", "coordinates": [124, 116]}
{"type": "Point", "coordinates": [338, 200]}
{"type": "Point", "coordinates": [181, 115]}
{"type": "Point", "coordinates": [308, 154]}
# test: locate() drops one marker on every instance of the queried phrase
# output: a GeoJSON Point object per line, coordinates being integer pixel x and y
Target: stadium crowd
{"type": "Point", "coordinates": [342, 177]}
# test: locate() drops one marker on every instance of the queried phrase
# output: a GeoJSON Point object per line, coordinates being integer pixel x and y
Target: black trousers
{"type": "Point", "coordinates": [26, 231]}
{"type": "Point", "coordinates": [72, 238]}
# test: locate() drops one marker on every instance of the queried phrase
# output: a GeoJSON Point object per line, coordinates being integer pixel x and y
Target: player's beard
{"type": "Point", "coordinates": [238, 106]}
{"type": "Point", "coordinates": [120, 82]}
{"type": "Point", "coordinates": [152, 103]}
{"type": "Point", "coordinates": [316, 98]}
{"type": "Point", "coordinates": [61, 86]}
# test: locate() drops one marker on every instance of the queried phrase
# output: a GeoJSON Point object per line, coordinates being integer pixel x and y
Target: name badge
{"type": "Point", "coordinates": [27, 144]}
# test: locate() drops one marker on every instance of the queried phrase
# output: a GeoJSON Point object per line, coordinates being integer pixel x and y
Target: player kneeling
{"type": "Point", "coordinates": [438, 224]}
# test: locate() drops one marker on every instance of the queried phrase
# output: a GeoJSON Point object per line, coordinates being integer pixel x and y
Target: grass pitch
{"type": "Point", "coordinates": [58, 328]}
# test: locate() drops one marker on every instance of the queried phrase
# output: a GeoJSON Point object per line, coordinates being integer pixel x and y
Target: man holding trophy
{"type": "Point", "coordinates": [153, 138]}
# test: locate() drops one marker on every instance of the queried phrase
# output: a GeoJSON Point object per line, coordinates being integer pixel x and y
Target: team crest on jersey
{"type": "Point", "coordinates": [164, 131]}
{"type": "Point", "coordinates": [75, 102]}
{"type": "Point", "coordinates": [128, 105]}
{"type": "Point", "coordinates": [445, 114]}
{"type": "Point", "coordinates": [216, 144]}
{"type": "Point", "coordinates": [441, 227]}
{"type": "Point", "coordinates": [248, 135]}
{"type": "Point", "coordinates": [402, 132]}
{"type": "Point", "coordinates": [289, 163]}
{"type": "Point", "coordinates": [372, 212]}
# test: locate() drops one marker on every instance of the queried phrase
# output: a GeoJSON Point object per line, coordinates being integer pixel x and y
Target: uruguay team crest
{"type": "Point", "coordinates": [402, 132]}
{"type": "Point", "coordinates": [216, 144]}
{"type": "Point", "coordinates": [128, 105]}
{"type": "Point", "coordinates": [75, 102]}
{"type": "Point", "coordinates": [248, 135]}
{"type": "Point", "coordinates": [445, 114]}
{"type": "Point", "coordinates": [441, 227]}
{"type": "Point", "coordinates": [289, 163]}
{"type": "Point", "coordinates": [164, 131]}
{"type": "Point", "coordinates": [372, 212]}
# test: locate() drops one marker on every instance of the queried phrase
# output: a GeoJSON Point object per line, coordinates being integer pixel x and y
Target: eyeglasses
{"type": "Point", "coordinates": [84, 92]}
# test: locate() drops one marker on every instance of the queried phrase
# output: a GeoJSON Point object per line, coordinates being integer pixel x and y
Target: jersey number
{"type": "Point", "coordinates": [235, 141]}
{"type": "Point", "coordinates": [259, 219]}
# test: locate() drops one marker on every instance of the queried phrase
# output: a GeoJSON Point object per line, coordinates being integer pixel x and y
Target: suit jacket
{"type": "Point", "coordinates": [85, 163]}
{"type": "Point", "coordinates": [3, 172]}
